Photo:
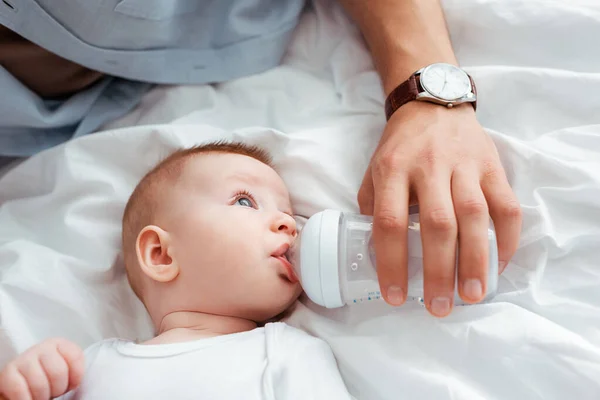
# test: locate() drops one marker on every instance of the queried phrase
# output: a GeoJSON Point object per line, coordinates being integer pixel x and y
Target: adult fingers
{"type": "Point", "coordinates": [390, 224]}
{"type": "Point", "coordinates": [438, 237]}
{"type": "Point", "coordinates": [472, 215]}
{"type": "Point", "coordinates": [505, 210]}
{"type": "Point", "coordinates": [366, 194]}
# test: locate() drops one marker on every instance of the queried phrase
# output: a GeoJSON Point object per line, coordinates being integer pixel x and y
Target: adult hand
{"type": "Point", "coordinates": [443, 160]}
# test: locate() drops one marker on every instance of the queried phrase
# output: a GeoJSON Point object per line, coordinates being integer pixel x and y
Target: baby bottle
{"type": "Point", "coordinates": [335, 261]}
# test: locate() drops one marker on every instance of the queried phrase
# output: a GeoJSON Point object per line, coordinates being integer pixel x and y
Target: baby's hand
{"type": "Point", "coordinates": [47, 370]}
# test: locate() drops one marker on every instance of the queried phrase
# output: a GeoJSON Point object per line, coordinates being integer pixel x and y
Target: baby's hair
{"type": "Point", "coordinates": [146, 199]}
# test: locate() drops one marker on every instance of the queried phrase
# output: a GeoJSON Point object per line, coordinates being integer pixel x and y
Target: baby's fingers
{"type": "Point", "coordinates": [57, 373]}
{"type": "Point", "coordinates": [36, 379]}
{"type": "Point", "coordinates": [73, 356]}
{"type": "Point", "coordinates": [13, 385]}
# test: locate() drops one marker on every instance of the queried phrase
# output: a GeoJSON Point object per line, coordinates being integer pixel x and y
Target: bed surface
{"type": "Point", "coordinates": [321, 114]}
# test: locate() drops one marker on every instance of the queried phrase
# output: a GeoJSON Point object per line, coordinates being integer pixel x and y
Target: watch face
{"type": "Point", "coordinates": [445, 81]}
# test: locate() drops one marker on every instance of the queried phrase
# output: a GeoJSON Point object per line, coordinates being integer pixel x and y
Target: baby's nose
{"type": "Point", "coordinates": [285, 223]}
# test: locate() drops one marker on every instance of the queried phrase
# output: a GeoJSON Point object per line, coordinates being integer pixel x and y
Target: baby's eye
{"type": "Point", "coordinates": [245, 202]}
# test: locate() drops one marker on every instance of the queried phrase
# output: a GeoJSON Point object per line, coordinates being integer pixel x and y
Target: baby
{"type": "Point", "coordinates": [205, 237]}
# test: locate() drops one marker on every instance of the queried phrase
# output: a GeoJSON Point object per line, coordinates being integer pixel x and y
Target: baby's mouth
{"type": "Point", "coordinates": [292, 256]}
{"type": "Point", "coordinates": [285, 255]}
{"type": "Point", "coordinates": [289, 254]}
{"type": "Point", "coordinates": [288, 274]}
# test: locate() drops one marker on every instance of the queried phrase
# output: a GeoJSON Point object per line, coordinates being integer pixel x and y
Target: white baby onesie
{"type": "Point", "coordinates": [275, 362]}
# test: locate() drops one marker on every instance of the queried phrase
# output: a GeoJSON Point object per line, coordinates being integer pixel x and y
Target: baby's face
{"type": "Point", "coordinates": [230, 223]}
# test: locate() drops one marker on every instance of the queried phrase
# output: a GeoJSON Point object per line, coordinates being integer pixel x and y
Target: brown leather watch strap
{"type": "Point", "coordinates": [408, 91]}
{"type": "Point", "coordinates": [405, 92]}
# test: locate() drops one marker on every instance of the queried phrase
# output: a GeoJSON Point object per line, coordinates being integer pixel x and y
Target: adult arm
{"type": "Point", "coordinates": [440, 158]}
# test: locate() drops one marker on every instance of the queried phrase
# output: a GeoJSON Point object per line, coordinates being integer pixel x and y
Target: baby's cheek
{"type": "Point", "coordinates": [288, 296]}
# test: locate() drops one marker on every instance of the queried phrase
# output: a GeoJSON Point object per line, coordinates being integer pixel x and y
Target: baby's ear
{"type": "Point", "coordinates": [153, 248]}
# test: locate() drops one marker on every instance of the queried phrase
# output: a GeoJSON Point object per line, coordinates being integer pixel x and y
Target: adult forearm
{"type": "Point", "coordinates": [403, 35]}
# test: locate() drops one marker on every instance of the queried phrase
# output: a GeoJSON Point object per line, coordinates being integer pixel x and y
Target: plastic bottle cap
{"type": "Point", "coordinates": [319, 272]}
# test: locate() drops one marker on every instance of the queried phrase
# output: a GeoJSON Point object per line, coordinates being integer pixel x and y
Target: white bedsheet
{"type": "Point", "coordinates": [536, 64]}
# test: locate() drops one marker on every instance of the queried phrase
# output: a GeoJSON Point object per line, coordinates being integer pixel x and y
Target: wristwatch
{"type": "Point", "coordinates": [440, 83]}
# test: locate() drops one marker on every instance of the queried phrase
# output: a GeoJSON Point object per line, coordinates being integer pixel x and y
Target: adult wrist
{"type": "Point", "coordinates": [442, 84]}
